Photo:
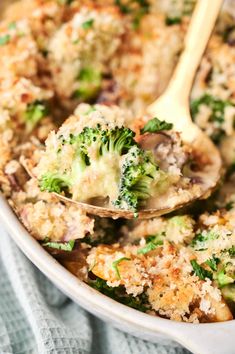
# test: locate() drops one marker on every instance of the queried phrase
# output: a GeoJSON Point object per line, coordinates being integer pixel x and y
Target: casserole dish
{"type": "Point", "coordinates": [196, 337]}
{"type": "Point", "coordinates": [203, 338]}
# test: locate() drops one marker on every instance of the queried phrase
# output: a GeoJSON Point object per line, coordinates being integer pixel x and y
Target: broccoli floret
{"type": "Point", "coordinates": [200, 241]}
{"type": "Point", "coordinates": [90, 147]}
{"type": "Point", "coordinates": [123, 172]}
{"type": "Point", "coordinates": [226, 272]}
{"type": "Point", "coordinates": [34, 113]}
{"type": "Point", "coordinates": [137, 176]}
{"type": "Point", "coordinates": [178, 10]}
{"type": "Point", "coordinates": [228, 292]}
{"type": "Point", "coordinates": [217, 106]}
{"type": "Point", "coordinates": [89, 84]}
{"type": "Point", "coordinates": [223, 279]}
{"type": "Point", "coordinates": [53, 182]}
{"type": "Point", "coordinates": [231, 251]}
{"type": "Point", "coordinates": [117, 140]}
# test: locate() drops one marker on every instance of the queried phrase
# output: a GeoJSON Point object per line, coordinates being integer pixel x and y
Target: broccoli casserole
{"type": "Point", "coordinates": [75, 79]}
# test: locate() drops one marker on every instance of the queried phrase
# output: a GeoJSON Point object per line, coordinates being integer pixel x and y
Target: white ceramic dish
{"type": "Point", "coordinates": [209, 338]}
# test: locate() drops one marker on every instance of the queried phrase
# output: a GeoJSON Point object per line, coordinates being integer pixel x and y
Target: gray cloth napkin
{"type": "Point", "coordinates": [37, 318]}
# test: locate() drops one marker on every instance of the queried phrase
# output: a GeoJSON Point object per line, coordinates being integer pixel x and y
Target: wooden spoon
{"type": "Point", "coordinates": [173, 106]}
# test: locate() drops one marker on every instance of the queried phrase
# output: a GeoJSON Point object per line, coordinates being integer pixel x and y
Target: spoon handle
{"type": "Point", "coordinates": [200, 28]}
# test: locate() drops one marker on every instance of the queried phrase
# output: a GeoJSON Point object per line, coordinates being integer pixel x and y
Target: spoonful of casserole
{"type": "Point", "coordinates": [111, 167]}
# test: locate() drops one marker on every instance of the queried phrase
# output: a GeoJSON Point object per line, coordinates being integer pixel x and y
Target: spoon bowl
{"type": "Point", "coordinates": [173, 107]}
{"type": "Point", "coordinates": [171, 110]}
{"type": "Point", "coordinates": [207, 178]}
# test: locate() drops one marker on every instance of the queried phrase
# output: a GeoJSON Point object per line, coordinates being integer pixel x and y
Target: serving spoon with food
{"type": "Point", "coordinates": [173, 107]}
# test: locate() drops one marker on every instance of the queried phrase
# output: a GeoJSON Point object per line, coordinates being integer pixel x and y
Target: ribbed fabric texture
{"type": "Point", "coordinates": [36, 318]}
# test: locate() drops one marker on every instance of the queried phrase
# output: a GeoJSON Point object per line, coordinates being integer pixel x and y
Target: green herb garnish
{"type": "Point", "coordinates": [201, 272]}
{"type": "Point", "coordinates": [213, 262]}
{"type": "Point", "coordinates": [149, 247]}
{"type": "Point", "coordinates": [170, 21]}
{"type": "Point", "coordinates": [88, 24]}
{"type": "Point", "coordinates": [229, 206]}
{"type": "Point", "coordinates": [116, 263]}
{"type": "Point", "coordinates": [217, 106]}
{"type": "Point", "coordinates": [65, 2]}
{"type": "Point", "coordinates": [66, 246]}
{"type": "Point", "coordinates": [124, 8]}
{"type": "Point", "coordinates": [155, 125]}
{"type": "Point", "coordinates": [153, 241]}
{"type": "Point", "coordinates": [119, 294]}
{"type": "Point", "coordinates": [127, 7]}
{"type": "Point", "coordinates": [136, 8]}
{"type": "Point", "coordinates": [5, 39]}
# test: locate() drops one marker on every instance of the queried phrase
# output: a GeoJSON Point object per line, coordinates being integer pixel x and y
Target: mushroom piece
{"type": "Point", "coordinates": [152, 141]}
{"type": "Point", "coordinates": [166, 149]}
